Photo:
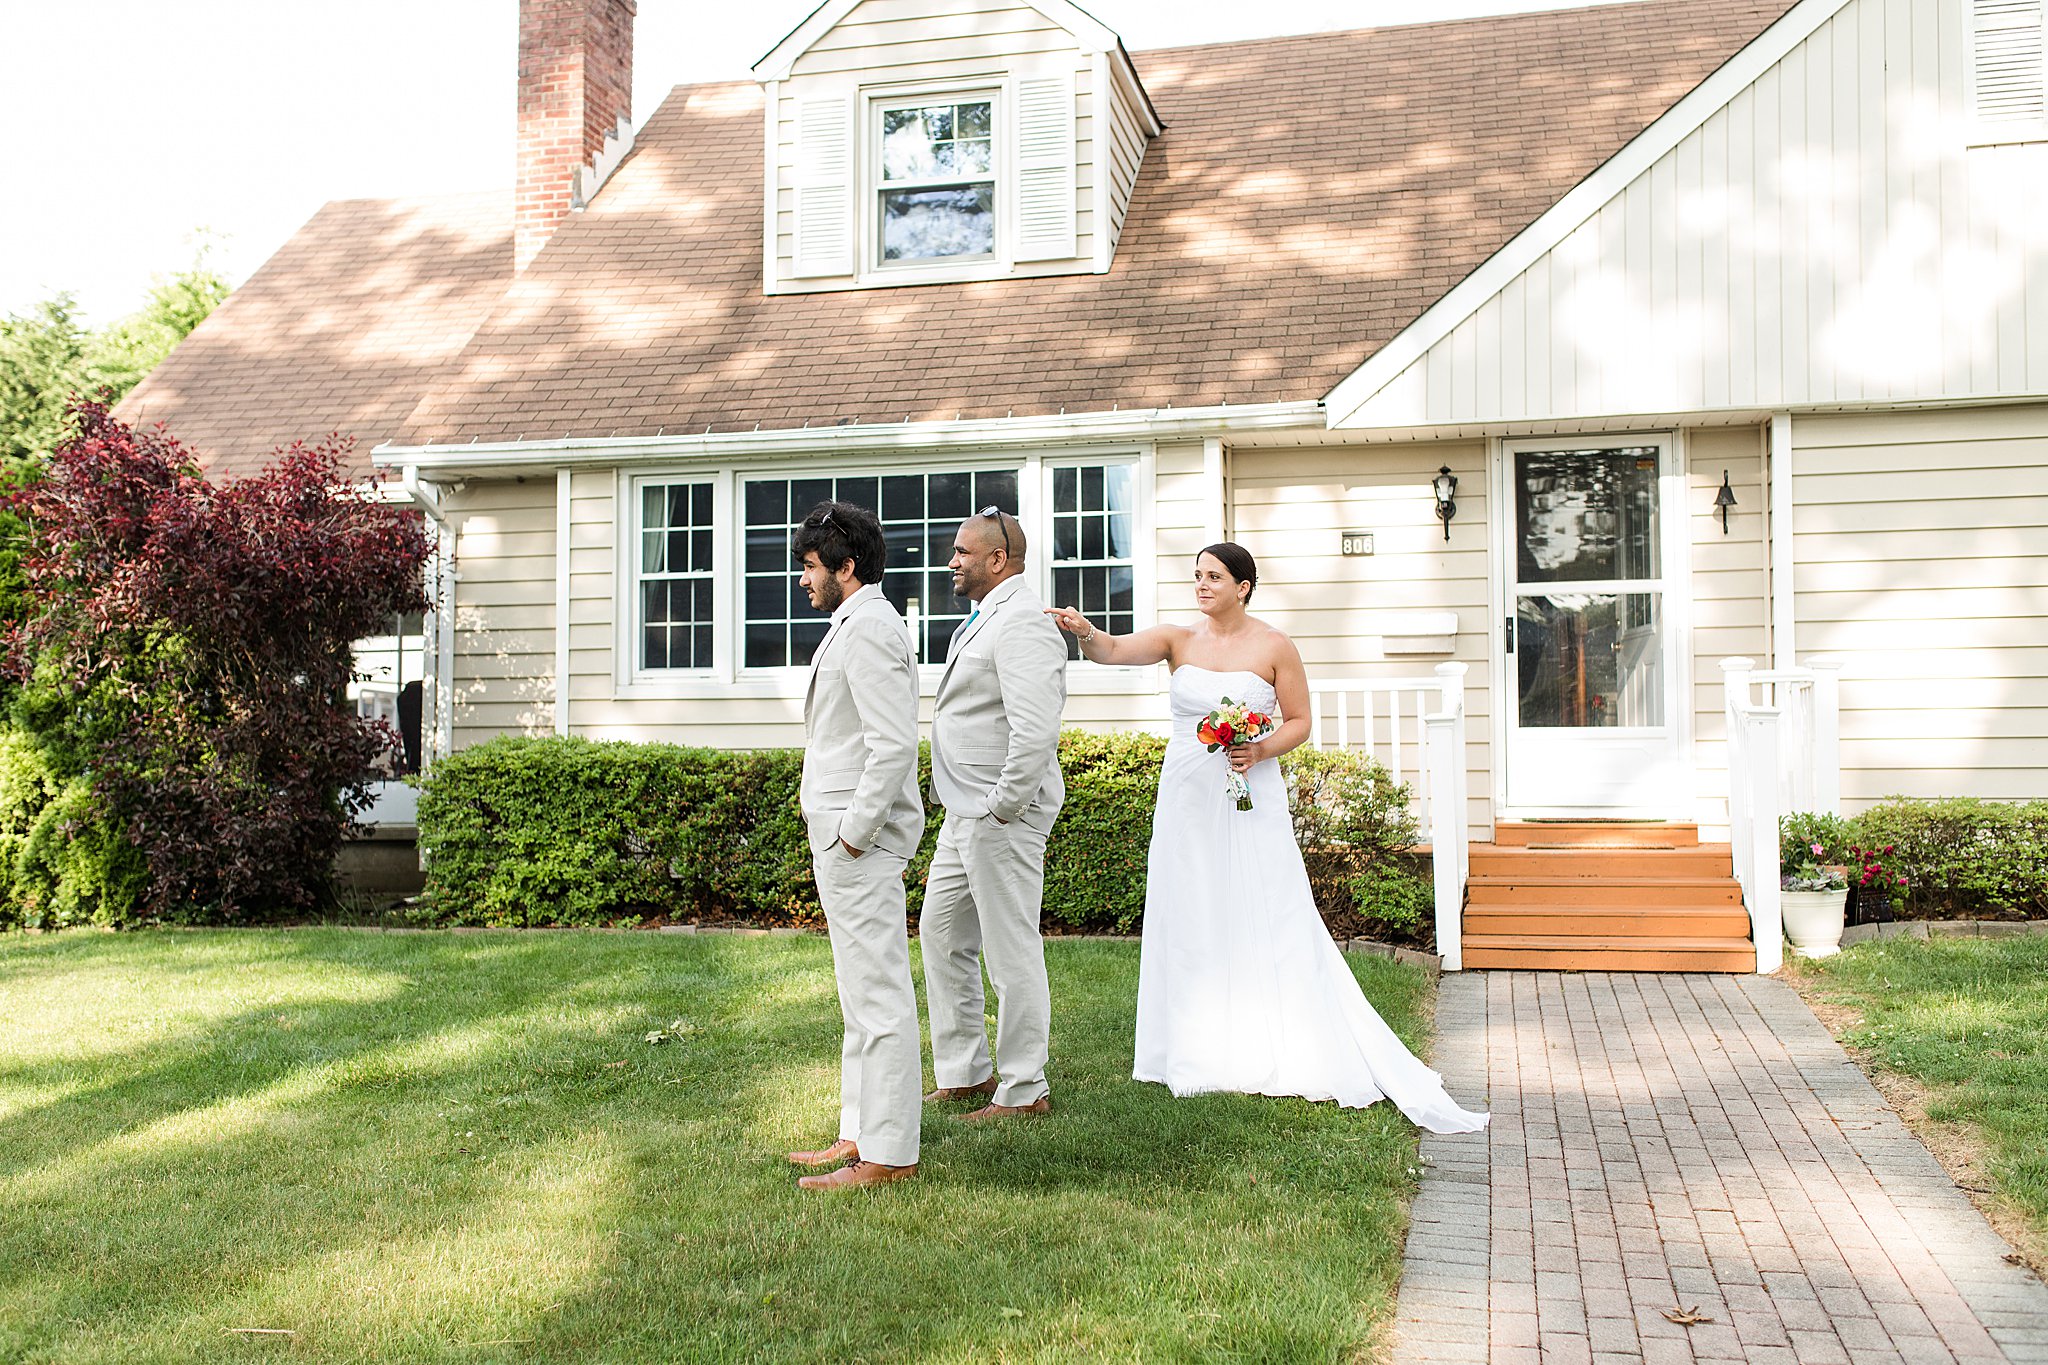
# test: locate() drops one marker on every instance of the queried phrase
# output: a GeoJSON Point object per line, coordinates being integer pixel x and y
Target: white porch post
{"type": "Point", "coordinates": [1444, 734]}
{"type": "Point", "coordinates": [1784, 612]}
{"type": "Point", "coordinates": [1766, 925]}
{"type": "Point", "coordinates": [1446, 837]}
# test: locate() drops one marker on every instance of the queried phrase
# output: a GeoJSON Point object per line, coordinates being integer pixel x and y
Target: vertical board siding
{"type": "Point", "coordinates": [1827, 236]}
{"type": "Point", "coordinates": [1918, 541]}
{"type": "Point", "coordinates": [1289, 506]}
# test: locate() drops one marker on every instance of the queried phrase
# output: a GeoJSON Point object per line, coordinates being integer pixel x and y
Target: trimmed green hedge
{"type": "Point", "coordinates": [580, 832]}
{"type": "Point", "coordinates": [1963, 858]}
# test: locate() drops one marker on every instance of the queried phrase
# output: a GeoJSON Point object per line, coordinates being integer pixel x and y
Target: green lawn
{"type": "Point", "coordinates": [1968, 1019]}
{"type": "Point", "coordinates": [460, 1147]}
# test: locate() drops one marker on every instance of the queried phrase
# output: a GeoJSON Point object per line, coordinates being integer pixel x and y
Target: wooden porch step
{"type": "Point", "coordinates": [1596, 834]}
{"type": "Point", "coordinates": [1704, 860]}
{"type": "Point", "coordinates": [1604, 922]}
{"type": "Point", "coordinates": [1568, 892]}
{"type": "Point", "coordinates": [1572, 953]}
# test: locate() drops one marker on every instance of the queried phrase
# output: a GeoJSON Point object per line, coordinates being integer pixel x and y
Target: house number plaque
{"type": "Point", "coordinates": [1355, 543]}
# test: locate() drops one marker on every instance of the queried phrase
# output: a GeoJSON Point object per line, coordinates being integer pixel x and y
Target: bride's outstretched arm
{"type": "Point", "coordinates": [1150, 646]}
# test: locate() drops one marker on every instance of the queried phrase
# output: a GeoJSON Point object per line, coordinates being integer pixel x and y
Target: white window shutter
{"type": "Point", "coordinates": [2008, 63]}
{"type": "Point", "coordinates": [824, 187]}
{"type": "Point", "coordinates": [1045, 169]}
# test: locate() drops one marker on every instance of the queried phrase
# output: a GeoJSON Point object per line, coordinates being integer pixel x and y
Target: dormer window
{"type": "Point", "coordinates": [947, 141]}
{"type": "Point", "coordinates": [937, 196]}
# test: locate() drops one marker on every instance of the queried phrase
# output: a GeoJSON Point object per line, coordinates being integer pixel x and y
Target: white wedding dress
{"type": "Point", "coordinates": [1239, 985]}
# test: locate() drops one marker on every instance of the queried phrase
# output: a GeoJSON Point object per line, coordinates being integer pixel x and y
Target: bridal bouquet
{"type": "Point", "coordinates": [1234, 723]}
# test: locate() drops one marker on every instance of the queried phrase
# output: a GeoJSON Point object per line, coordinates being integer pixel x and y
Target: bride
{"type": "Point", "coordinates": [1239, 985]}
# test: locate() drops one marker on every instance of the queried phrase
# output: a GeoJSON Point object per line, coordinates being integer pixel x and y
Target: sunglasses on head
{"type": "Point", "coordinates": [1002, 524]}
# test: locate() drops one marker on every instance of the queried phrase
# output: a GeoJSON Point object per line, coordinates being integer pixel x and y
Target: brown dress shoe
{"type": "Point", "coordinates": [842, 1150]}
{"type": "Point", "coordinates": [1041, 1105]}
{"type": "Point", "coordinates": [980, 1090]}
{"type": "Point", "coordinates": [856, 1175]}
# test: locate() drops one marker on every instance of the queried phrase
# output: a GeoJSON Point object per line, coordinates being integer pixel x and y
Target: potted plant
{"type": "Point", "coordinates": [1813, 898]}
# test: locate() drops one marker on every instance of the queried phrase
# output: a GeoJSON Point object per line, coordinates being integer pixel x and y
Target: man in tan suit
{"type": "Point", "coordinates": [996, 768]}
{"type": "Point", "coordinates": [864, 817]}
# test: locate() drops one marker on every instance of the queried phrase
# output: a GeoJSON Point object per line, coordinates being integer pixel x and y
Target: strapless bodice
{"type": "Point", "coordinates": [1196, 691]}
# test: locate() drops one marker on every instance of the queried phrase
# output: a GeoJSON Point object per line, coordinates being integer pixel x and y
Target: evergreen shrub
{"type": "Point", "coordinates": [1963, 858]}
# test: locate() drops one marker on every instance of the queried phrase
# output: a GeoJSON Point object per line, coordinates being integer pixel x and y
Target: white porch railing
{"type": "Point", "coordinates": [1784, 756]}
{"type": "Point", "coordinates": [1416, 727]}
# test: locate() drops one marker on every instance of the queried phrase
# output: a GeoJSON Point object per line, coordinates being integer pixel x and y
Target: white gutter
{"type": "Point", "coordinates": [429, 501]}
{"type": "Point", "coordinates": [1090, 428]}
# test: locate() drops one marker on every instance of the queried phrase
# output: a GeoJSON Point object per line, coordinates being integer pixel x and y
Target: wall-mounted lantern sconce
{"type": "Point", "coordinates": [1724, 500]}
{"type": "Point", "coordinates": [1445, 486]}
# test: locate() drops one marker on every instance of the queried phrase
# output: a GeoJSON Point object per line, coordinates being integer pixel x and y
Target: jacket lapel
{"type": "Point", "coordinates": [987, 608]}
{"type": "Point", "coordinates": [825, 646]}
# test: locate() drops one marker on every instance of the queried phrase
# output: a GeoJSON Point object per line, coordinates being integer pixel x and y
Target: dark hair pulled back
{"type": "Point", "coordinates": [1236, 561]}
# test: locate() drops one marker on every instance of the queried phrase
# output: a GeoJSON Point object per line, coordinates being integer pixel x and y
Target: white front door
{"type": "Point", "coordinates": [1592, 677]}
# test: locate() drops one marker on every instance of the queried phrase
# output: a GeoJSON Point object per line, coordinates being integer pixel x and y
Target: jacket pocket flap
{"type": "Point", "coordinates": [837, 780]}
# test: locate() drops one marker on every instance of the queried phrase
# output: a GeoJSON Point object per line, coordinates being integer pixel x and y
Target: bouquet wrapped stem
{"type": "Point", "coordinates": [1233, 723]}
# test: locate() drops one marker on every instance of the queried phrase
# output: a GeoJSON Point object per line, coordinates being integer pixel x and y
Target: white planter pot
{"type": "Point", "coordinates": [1813, 920]}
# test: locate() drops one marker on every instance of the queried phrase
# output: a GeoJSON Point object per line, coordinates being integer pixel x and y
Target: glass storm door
{"type": "Point", "coordinates": [1589, 666]}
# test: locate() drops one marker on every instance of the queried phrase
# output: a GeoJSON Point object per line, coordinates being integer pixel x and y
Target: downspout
{"type": "Point", "coordinates": [439, 625]}
{"type": "Point", "coordinates": [562, 509]}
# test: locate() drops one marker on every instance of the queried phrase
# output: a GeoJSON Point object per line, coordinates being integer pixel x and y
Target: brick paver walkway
{"type": "Point", "coordinates": [1665, 1142]}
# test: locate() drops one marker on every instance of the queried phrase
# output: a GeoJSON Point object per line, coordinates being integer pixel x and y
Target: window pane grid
{"type": "Point", "coordinates": [919, 513]}
{"type": "Point", "coordinates": [937, 200]}
{"type": "Point", "coordinates": [677, 612]}
{"type": "Point", "coordinates": [1093, 528]}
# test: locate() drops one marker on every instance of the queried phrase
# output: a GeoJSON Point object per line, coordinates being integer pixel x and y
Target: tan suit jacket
{"type": "Point", "coordinates": [860, 731]}
{"type": "Point", "coordinates": [996, 723]}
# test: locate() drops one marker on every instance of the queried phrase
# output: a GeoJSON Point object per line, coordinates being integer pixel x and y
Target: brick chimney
{"type": "Point", "coordinates": [575, 85]}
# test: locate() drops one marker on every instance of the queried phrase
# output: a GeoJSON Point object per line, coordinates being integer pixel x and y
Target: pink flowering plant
{"type": "Point", "coordinates": [1813, 852]}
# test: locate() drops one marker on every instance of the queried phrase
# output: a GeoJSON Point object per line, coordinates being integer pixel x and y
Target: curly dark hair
{"type": "Point", "coordinates": [839, 531]}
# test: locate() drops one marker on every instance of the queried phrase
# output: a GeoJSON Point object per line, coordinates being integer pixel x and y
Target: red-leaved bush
{"type": "Point", "coordinates": [186, 648]}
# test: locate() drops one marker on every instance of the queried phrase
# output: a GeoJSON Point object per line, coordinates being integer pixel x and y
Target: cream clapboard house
{"type": "Point", "coordinates": [1728, 318]}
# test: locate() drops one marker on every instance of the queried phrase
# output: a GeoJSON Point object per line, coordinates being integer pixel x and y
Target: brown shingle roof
{"type": "Point", "coordinates": [1310, 197]}
{"type": "Point", "coordinates": [342, 330]}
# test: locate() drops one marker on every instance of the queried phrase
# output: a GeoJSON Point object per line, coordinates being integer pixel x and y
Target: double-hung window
{"type": "Point", "coordinates": [936, 187]}
{"type": "Point", "coordinates": [1094, 550]}
{"type": "Point", "coordinates": [675, 591]}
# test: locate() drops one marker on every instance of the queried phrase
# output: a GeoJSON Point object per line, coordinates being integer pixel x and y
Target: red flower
{"type": "Point", "coordinates": [1226, 733]}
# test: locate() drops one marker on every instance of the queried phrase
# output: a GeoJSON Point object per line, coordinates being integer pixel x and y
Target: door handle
{"type": "Point", "coordinates": [1507, 630]}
